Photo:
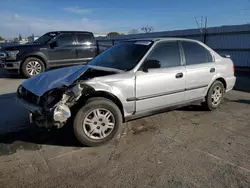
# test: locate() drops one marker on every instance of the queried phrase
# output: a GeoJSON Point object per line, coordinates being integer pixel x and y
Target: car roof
{"type": "Point", "coordinates": [163, 39]}
{"type": "Point", "coordinates": [71, 32]}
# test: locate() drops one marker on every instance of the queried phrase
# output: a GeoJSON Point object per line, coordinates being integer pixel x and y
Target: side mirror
{"type": "Point", "coordinates": [225, 55]}
{"type": "Point", "coordinates": [151, 64]}
{"type": "Point", "coordinates": [53, 44]}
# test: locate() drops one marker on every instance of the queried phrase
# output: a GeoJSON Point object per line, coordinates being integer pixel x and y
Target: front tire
{"type": "Point", "coordinates": [32, 66]}
{"type": "Point", "coordinates": [97, 122]}
{"type": "Point", "coordinates": [214, 96]}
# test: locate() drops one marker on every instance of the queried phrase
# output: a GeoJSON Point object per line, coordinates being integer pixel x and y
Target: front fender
{"type": "Point", "coordinates": [121, 89]}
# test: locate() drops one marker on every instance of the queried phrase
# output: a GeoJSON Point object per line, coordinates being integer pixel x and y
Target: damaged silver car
{"type": "Point", "coordinates": [127, 81]}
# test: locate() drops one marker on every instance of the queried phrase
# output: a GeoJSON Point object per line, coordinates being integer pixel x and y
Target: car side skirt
{"type": "Point", "coordinates": [163, 109]}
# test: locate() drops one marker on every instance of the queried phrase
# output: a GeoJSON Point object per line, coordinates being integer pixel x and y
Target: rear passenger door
{"type": "Point", "coordinates": [85, 47]}
{"type": "Point", "coordinates": [200, 69]}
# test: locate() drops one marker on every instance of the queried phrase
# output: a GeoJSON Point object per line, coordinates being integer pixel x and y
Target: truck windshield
{"type": "Point", "coordinates": [123, 56]}
{"type": "Point", "coordinates": [45, 38]}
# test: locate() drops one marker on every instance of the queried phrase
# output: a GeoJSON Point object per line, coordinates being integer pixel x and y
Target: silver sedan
{"type": "Point", "coordinates": [132, 79]}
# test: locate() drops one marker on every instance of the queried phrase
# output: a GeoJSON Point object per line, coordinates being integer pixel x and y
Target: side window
{"type": "Point", "coordinates": [82, 38]}
{"type": "Point", "coordinates": [167, 54]}
{"type": "Point", "coordinates": [64, 40]}
{"type": "Point", "coordinates": [195, 53]}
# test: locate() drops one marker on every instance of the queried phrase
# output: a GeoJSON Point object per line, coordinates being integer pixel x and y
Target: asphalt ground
{"type": "Point", "coordinates": [187, 147]}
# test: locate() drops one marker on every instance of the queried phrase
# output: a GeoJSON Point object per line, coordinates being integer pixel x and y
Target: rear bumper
{"type": "Point", "coordinates": [13, 65]}
{"type": "Point", "coordinates": [230, 83]}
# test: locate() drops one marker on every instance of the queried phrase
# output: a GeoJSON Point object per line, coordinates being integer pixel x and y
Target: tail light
{"type": "Point", "coordinates": [233, 68]}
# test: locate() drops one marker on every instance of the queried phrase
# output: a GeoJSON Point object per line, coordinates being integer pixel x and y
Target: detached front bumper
{"type": "Point", "coordinates": [32, 108]}
{"type": "Point", "coordinates": [37, 114]}
{"type": "Point", "coordinates": [10, 65]}
{"type": "Point", "coordinates": [48, 118]}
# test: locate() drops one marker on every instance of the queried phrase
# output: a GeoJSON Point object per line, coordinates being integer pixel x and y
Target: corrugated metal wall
{"type": "Point", "coordinates": [233, 40]}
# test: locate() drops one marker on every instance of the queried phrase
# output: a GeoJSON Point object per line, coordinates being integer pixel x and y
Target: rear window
{"type": "Point", "coordinates": [195, 53]}
{"type": "Point", "coordinates": [83, 38]}
{"type": "Point", "coordinates": [64, 40]}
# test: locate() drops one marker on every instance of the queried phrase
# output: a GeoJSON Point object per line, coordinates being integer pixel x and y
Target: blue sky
{"type": "Point", "coordinates": [101, 16]}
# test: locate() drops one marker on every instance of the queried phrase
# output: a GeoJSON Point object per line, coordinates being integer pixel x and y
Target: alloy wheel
{"type": "Point", "coordinates": [216, 95]}
{"type": "Point", "coordinates": [33, 68]}
{"type": "Point", "coordinates": [99, 123]}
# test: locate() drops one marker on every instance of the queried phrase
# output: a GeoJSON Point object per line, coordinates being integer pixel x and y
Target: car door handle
{"type": "Point", "coordinates": [212, 70]}
{"type": "Point", "coordinates": [179, 75]}
{"type": "Point", "coordinates": [72, 49]}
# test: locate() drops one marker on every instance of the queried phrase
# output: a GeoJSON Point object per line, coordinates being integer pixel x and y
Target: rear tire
{"type": "Point", "coordinates": [214, 96]}
{"type": "Point", "coordinates": [32, 66]}
{"type": "Point", "coordinates": [97, 122]}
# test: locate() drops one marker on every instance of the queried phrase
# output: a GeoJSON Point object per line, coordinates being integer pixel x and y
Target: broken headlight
{"type": "Point", "coordinates": [21, 91]}
{"type": "Point", "coordinates": [51, 98]}
{"type": "Point", "coordinates": [61, 113]}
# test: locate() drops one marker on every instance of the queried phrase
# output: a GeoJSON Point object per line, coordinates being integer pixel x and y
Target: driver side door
{"type": "Point", "coordinates": [63, 51]}
{"type": "Point", "coordinates": [164, 86]}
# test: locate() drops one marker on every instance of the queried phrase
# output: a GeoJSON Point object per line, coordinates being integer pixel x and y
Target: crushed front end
{"type": "Point", "coordinates": [49, 96]}
{"type": "Point", "coordinates": [53, 108]}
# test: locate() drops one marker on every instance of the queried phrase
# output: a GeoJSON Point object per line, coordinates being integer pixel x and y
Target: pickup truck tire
{"type": "Point", "coordinates": [97, 122]}
{"type": "Point", "coordinates": [214, 96]}
{"type": "Point", "coordinates": [32, 66]}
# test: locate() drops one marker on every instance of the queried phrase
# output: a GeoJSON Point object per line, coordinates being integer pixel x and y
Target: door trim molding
{"type": "Point", "coordinates": [65, 60]}
{"type": "Point", "coordinates": [196, 87]}
{"type": "Point", "coordinates": [155, 95]}
{"type": "Point", "coordinates": [164, 94]}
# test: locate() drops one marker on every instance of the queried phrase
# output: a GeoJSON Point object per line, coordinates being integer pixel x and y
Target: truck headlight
{"type": "Point", "coordinates": [11, 55]}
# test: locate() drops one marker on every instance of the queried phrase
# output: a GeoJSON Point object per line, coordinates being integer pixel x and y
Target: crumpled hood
{"type": "Point", "coordinates": [46, 81]}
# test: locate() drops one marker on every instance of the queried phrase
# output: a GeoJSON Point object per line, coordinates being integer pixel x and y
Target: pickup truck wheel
{"type": "Point", "coordinates": [97, 122]}
{"type": "Point", "coordinates": [214, 96]}
{"type": "Point", "coordinates": [32, 66]}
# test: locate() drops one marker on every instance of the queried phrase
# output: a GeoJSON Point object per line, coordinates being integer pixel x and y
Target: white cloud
{"type": "Point", "coordinates": [13, 24]}
{"type": "Point", "coordinates": [78, 10]}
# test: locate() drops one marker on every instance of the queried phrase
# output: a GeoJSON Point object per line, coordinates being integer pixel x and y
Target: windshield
{"type": "Point", "coordinates": [45, 38]}
{"type": "Point", "coordinates": [123, 56]}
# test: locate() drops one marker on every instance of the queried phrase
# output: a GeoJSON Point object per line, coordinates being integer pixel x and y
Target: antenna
{"type": "Point", "coordinates": [206, 23]}
{"type": "Point", "coordinates": [198, 25]}
{"type": "Point", "coordinates": [201, 28]}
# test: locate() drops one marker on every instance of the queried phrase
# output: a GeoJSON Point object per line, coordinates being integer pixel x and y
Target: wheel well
{"type": "Point", "coordinates": [103, 94]}
{"type": "Point", "coordinates": [222, 80]}
{"type": "Point", "coordinates": [35, 56]}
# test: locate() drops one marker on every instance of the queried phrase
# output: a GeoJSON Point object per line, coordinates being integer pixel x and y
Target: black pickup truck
{"type": "Point", "coordinates": [53, 49]}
